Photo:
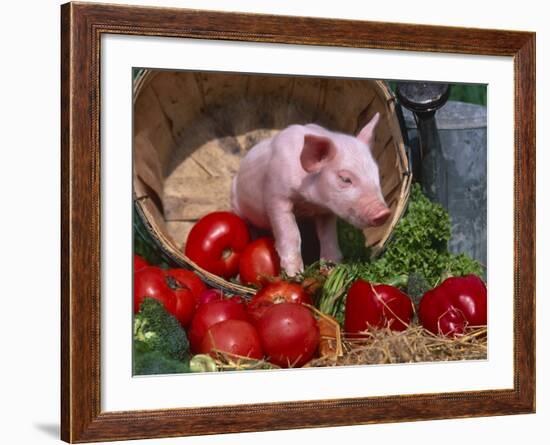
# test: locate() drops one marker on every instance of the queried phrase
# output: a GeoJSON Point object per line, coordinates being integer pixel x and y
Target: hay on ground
{"type": "Point", "coordinates": [415, 344]}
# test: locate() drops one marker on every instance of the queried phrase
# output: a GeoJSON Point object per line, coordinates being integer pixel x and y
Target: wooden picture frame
{"type": "Point", "coordinates": [82, 26]}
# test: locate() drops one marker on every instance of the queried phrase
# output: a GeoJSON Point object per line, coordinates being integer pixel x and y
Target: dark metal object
{"type": "Point", "coordinates": [424, 99]}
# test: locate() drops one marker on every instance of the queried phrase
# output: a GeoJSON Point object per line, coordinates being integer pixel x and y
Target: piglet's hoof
{"type": "Point", "coordinates": [334, 256]}
{"type": "Point", "coordinates": [292, 266]}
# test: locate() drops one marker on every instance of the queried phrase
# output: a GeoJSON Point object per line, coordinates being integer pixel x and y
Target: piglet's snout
{"type": "Point", "coordinates": [377, 214]}
{"type": "Point", "coordinates": [380, 217]}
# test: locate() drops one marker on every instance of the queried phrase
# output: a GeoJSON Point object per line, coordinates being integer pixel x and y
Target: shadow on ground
{"type": "Point", "coordinates": [50, 429]}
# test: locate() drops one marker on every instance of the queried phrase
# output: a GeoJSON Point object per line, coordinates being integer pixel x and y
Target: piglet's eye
{"type": "Point", "coordinates": [345, 179]}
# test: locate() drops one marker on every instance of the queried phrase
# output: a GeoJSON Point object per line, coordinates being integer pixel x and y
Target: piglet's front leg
{"type": "Point", "coordinates": [287, 236]}
{"type": "Point", "coordinates": [328, 238]}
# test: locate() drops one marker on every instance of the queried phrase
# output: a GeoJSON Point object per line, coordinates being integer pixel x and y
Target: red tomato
{"type": "Point", "coordinates": [456, 303]}
{"type": "Point", "coordinates": [289, 334]}
{"type": "Point", "coordinates": [274, 293]}
{"type": "Point", "coordinates": [139, 263]}
{"type": "Point", "coordinates": [210, 295]}
{"type": "Point", "coordinates": [151, 282]}
{"type": "Point", "coordinates": [188, 280]}
{"type": "Point", "coordinates": [177, 289]}
{"type": "Point", "coordinates": [259, 262]}
{"type": "Point", "coordinates": [216, 241]}
{"type": "Point", "coordinates": [377, 306]}
{"type": "Point", "coordinates": [185, 306]}
{"type": "Point", "coordinates": [211, 313]}
{"type": "Point", "coordinates": [237, 337]}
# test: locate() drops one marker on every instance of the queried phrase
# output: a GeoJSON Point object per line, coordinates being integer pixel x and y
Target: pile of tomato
{"type": "Point", "coordinates": [275, 324]}
{"type": "Point", "coordinates": [279, 323]}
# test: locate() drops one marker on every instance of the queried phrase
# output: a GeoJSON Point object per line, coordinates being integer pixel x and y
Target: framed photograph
{"type": "Point", "coordinates": [274, 222]}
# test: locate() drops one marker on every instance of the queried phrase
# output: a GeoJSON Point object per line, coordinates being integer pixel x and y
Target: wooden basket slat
{"type": "Point", "coordinates": [180, 98]}
{"type": "Point", "coordinates": [149, 117]}
{"type": "Point", "coordinates": [390, 185]}
{"type": "Point", "coordinates": [308, 92]}
{"type": "Point", "coordinates": [343, 109]}
{"type": "Point", "coordinates": [217, 89]}
{"type": "Point", "coordinates": [394, 195]}
{"type": "Point", "coordinates": [267, 85]}
{"type": "Point", "coordinates": [147, 167]}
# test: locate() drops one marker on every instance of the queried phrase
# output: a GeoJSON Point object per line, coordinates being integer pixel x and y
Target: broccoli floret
{"type": "Point", "coordinates": [160, 331]}
{"type": "Point", "coordinates": [147, 362]}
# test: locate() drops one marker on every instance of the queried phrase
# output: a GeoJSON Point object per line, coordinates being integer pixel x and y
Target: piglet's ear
{"type": "Point", "coordinates": [317, 151]}
{"type": "Point", "coordinates": [366, 135]}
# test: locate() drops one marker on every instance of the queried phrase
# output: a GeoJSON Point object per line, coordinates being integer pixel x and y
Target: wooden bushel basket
{"type": "Point", "coordinates": [192, 128]}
